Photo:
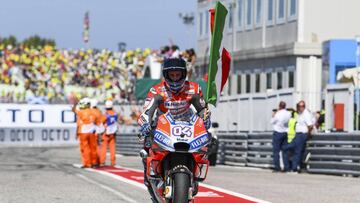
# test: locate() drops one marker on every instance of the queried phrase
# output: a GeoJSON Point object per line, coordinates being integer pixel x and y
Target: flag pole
{"type": "Point", "coordinates": [220, 58]}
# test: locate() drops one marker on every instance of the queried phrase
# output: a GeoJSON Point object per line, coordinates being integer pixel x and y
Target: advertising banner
{"type": "Point", "coordinates": [25, 115]}
{"type": "Point", "coordinates": [37, 136]}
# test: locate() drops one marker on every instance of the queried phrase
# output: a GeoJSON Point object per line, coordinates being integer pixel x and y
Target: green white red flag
{"type": "Point", "coordinates": [219, 64]}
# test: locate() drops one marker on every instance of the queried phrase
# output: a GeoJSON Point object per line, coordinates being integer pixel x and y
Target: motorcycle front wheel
{"type": "Point", "coordinates": [181, 188]}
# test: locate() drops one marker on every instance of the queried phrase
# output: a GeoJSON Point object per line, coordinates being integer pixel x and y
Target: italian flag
{"type": "Point", "coordinates": [219, 64]}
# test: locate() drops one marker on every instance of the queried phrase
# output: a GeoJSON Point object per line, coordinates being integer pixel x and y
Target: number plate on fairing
{"type": "Point", "coordinates": [182, 132]}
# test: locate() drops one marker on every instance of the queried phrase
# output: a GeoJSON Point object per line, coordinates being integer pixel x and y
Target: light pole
{"type": "Point", "coordinates": [357, 37]}
{"type": "Point", "coordinates": [233, 44]}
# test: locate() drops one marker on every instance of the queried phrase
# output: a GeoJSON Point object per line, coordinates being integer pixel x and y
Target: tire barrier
{"type": "Point", "coordinates": [259, 150]}
{"type": "Point", "coordinates": [252, 149]}
{"type": "Point", "coordinates": [128, 144]}
{"type": "Point", "coordinates": [337, 154]}
{"type": "Point", "coordinates": [232, 148]}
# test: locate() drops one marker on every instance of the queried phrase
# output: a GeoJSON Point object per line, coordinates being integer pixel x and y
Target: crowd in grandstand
{"type": "Point", "coordinates": [49, 75]}
{"type": "Point", "coordinates": [46, 74]}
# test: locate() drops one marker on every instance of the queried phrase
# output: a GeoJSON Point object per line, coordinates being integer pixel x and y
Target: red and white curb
{"type": "Point", "coordinates": [207, 193]}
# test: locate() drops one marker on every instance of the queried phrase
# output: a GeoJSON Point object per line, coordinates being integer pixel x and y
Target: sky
{"type": "Point", "coordinates": [138, 23]}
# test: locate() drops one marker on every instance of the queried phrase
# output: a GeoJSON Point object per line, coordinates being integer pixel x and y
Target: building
{"type": "Point", "coordinates": [277, 44]}
{"type": "Point", "coordinates": [337, 56]}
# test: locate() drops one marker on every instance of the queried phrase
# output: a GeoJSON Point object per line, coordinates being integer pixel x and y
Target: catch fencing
{"type": "Point", "coordinates": [336, 153]}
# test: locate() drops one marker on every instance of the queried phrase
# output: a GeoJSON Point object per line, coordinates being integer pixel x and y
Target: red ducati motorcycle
{"type": "Point", "coordinates": [177, 159]}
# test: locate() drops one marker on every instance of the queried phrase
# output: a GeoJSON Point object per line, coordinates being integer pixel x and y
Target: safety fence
{"type": "Point", "coordinates": [336, 153]}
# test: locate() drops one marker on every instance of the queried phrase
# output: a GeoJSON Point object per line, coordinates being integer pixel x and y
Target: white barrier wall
{"type": "Point", "coordinates": [44, 125]}
{"type": "Point", "coordinates": [37, 136]}
{"type": "Point", "coordinates": [250, 112]}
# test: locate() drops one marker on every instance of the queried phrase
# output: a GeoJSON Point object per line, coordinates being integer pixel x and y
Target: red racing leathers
{"type": "Point", "coordinates": [160, 98]}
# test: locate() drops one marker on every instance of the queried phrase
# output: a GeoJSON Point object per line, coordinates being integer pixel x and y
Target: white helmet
{"type": "Point", "coordinates": [109, 104]}
{"type": "Point", "coordinates": [84, 103]}
{"type": "Point", "coordinates": [93, 103]}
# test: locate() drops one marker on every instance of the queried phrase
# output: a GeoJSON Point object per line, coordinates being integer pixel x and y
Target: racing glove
{"type": "Point", "coordinates": [207, 119]}
{"type": "Point", "coordinates": [145, 129]}
{"type": "Point", "coordinates": [207, 123]}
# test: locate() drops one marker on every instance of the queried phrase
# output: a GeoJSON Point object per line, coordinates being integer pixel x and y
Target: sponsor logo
{"type": "Point", "coordinates": [162, 139]}
{"type": "Point", "coordinates": [191, 91]}
{"type": "Point", "coordinates": [182, 139]}
{"type": "Point", "coordinates": [176, 104]}
{"type": "Point", "coordinates": [199, 142]}
{"type": "Point", "coordinates": [25, 116]}
{"type": "Point", "coordinates": [152, 90]}
{"type": "Point", "coordinates": [36, 135]}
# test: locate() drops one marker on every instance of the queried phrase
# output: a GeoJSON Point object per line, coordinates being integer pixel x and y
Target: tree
{"type": "Point", "coordinates": [37, 41]}
{"type": "Point", "coordinates": [11, 40]}
{"type": "Point", "coordinates": [32, 41]}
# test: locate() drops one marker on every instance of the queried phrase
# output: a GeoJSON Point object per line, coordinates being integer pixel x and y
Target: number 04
{"type": "Point", "coordinates": [181, 130]}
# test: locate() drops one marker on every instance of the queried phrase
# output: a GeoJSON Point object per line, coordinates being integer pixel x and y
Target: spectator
{"type": "Point", "coordinates": [174, 51]}
{"type": "Point", "coordinates": [279, 121]}
{"type": "Point", "coordinates": [59, 75]}
{"type": "Point", "coordinates": [190, 58]}
{"type": "Point", "coordinates": [303, 129]}
{"type": "Point", "coordinates": [290, 147]}
{"type": "Point", "coordinates": [320, 120]}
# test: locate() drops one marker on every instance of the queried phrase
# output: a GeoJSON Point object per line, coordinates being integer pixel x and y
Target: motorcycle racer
{"type": "Point", "coordinates": [174, 94]}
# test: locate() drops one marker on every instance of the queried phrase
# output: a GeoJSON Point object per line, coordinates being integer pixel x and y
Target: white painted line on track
{"type": "Point", "coordinates": [247, 168]}
{"type": "Point", "coordinates": [233, 193]}
{"type": "Point", "coordinates": [117, 193]}
{"type": "Point", "coordinates": [131, 182]}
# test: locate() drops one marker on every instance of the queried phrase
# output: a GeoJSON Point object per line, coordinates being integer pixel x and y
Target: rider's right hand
{"type": "Point", "coordinates": [145, 129]}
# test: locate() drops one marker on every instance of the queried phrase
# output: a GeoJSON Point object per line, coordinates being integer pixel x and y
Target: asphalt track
{"type": "Point", "coordinates": [51, 175]}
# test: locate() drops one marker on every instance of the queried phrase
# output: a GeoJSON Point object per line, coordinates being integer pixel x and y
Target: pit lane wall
{"type": "Point", "coordinates": [37, 125]}
{"type": "Point", "coordinates": [46, 125]}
